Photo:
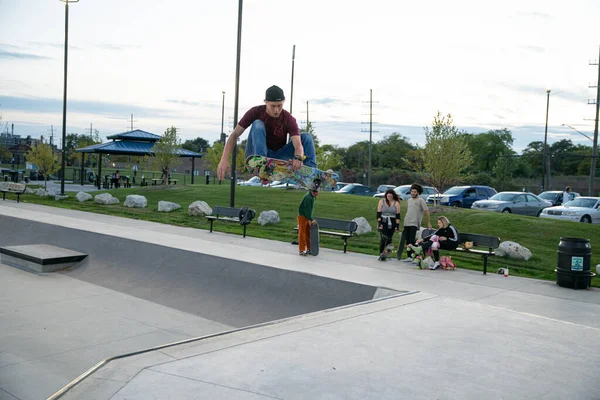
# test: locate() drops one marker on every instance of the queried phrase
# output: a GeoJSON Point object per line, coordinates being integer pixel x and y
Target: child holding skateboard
{"type": "Point", "coordinates": [305, 219]}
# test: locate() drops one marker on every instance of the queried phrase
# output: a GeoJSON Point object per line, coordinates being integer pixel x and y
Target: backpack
{"type": "Point", "coordinates": [246, 215]}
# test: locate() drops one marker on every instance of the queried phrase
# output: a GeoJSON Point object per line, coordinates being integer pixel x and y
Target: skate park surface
{"type": "Point", "coordinates": [213, 315]}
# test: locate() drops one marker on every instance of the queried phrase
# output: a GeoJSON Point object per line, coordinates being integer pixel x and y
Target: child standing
{"type": "Point", "coordinates": [305, 219]}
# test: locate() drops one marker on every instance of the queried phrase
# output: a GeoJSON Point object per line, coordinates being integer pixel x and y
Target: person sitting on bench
{"type": "Point", "coordinates": [447, 238]}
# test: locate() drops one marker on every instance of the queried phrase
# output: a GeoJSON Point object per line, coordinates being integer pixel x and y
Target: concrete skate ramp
{"type": "Point", "coordinates": [220, 289]}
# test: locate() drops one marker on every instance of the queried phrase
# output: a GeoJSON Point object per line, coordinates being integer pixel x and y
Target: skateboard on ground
{"type": "Point", "coordinates": [270, 169]}
{"type": "Point", "coordinates": [387, 252]}
{"type": "Point", "coordinates": [314, 239]}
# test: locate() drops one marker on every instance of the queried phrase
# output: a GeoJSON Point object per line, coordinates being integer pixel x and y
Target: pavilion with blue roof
{"type": "Point", "coordinates": [132, 143]}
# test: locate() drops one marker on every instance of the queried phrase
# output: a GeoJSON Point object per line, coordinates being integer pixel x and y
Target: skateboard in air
{"type": "Point", "coordinates": [270, 169]}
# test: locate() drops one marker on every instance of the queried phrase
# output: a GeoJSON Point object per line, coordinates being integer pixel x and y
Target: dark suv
{"type": "Point", "coordinates": [463, 196]}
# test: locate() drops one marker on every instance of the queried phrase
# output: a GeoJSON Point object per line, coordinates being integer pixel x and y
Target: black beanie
{"type": "Point", "coordinates": [274, 93]}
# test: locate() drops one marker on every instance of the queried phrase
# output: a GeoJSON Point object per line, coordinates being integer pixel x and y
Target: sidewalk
{"type": "Point", "coordinates": [463, 336]}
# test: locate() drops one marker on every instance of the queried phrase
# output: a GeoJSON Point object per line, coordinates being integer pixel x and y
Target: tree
{"type": "Point", "coordinates": [213, 156]}
{"type": "Point", "coordinates": [328, 158]}
{"type": "Point", "coordinates": [166, 153]}
{"type": "Point", "coordinates": [487, 147]}
{"type": "Point", "coordinates": [503, 173]}
{"type": "Point", "coordinates": [44, 159]}
{"type": "Point", "coordinates": [77, 141]}
{"type": "Point", "coordinates": [199, 145]}
{"type": "Point", "coordinates": [4, 153]}
{"type": "Point", "coordinates": [391, 152]}
{"type": "Point", "coordinates": [445, 155]}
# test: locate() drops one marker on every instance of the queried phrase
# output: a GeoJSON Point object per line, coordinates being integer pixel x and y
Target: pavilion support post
{"type": "Point", "coordinates": [82, 162]}
{"type": "Point", "coordinates": [193, 168]}
{"type": "Point", "coordinates": [99, 171]}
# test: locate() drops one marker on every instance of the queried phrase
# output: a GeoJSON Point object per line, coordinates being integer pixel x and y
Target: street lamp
{"type": "Point", "coordinates": [594, 156]}
{"type": "Point", "coordinates": [546, 158]}
{"type": "Point", "coordinates": [64, 123]}
{"type": "Point", "coordinates": [581, 133]}
{"type": "Point", "coordinates": [236, 103]}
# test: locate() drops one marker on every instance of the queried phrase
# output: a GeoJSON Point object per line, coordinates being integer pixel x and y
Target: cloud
{"type": "Point", "coordinates": [535, 49]}
{"type": "Point", "coordinates": [22, 56]}
{"type": "Point", "coordinates": [50, 105]}
{"type": "Point", "coordinates": [117, 47]}
{"type": "Point", "coordinates": [330, 101]}
{"type": "Point", "coordinates": [194, 103]}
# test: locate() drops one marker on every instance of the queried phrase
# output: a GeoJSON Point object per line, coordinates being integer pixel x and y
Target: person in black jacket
{"type": "Point", "coordinates": [448, 239]}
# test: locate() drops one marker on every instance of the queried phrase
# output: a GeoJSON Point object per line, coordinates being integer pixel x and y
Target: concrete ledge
{"type": "Point", "coordinates": [40, 257]}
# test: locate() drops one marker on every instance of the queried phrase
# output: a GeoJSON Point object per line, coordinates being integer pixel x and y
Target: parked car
{"type": "Point", "coordinates": [254, 181]}
{"type": "Point", "coordinates": [463, 196]}
{"type": "Point", "coordinates": [357, 189]}
{"type": "Point", "coordinates": [403, 192]}
{"type": "Point", "coordinates": [556, 196]}
{"type": "Point", "coordinates": [382, 188]}
{"type": "Point", "coordinates": [340, 185]}
{"type": "Point", "coordinates": [513, 202]}
{"type": "Point", "coordinates": [581, 209]}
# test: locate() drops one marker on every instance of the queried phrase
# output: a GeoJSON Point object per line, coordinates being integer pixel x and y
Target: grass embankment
{"type": "Point", "coordinates": [541, 236]}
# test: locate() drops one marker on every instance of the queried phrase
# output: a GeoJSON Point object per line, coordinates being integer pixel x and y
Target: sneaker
{"type": "Point", "coordinates": [308, 253]}
{"type": "Point", "coordinates": [436, 265]}
{"type": "Point", "coordinates": [408, 259]}
{"type": "Point", "coordinates": [303, 253]}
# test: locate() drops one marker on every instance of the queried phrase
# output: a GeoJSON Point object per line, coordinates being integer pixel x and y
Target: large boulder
{"type": "Point", "coordinates": [61, 197]}
{"type": "Point", "coordinates": [199, 208]}
{"type": "Point", "coordinates": [83, 196]}
{"type": "Point", "coordinates": [513, 250]}
{"type": "Point", "coordinates": [27, 190]}
{"type": "Point", "coordinates": [43, 193]}
{"type": "Point", "coordinates": [106, 198]}
{"type": "Point", "coordinates": [268, 217]}
{"type": "Point", "coordinates": [135, 201]}
{"type": "Point", "coordinates": [363, 225]}
{"type": "Point", "coordinates": [167, 206]}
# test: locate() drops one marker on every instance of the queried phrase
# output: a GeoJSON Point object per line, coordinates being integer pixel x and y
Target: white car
{"type": "Point", "coordinates": [581, 209]}
{"type": "Point", "coordinates": [254, 181]}
{"type": "Point", "coordinates": [403, 192]}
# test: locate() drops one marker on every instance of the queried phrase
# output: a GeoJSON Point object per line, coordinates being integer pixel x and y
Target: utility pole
{"type": "Point", "coordinates": [595, 148]}
{"type": "Point", "coordinates": [292, 89]}
{"type": "Point", "coordinates": [370, 136]}
{"type": "Point", "coordinates": [546, 155]}
{"type": "Point", "coordinates": [132, 122]}
{"type": "Point", "coordinates": [307, 118]}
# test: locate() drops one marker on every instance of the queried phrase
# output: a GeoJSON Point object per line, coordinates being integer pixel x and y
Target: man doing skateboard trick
{"type": "Point", "coordinates": [270, 125]}
{"type": "Point", "coordinates": [305, 220]}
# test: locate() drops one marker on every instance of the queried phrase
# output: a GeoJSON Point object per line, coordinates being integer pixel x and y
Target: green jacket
{"type": "Point", "coordinates": [307, 205]}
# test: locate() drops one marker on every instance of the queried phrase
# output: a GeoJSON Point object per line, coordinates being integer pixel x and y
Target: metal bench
{"type": "Point", "coordinates": [345, 229]}
{"type": "Point", "coordinates": [487, 245]}
{"type": "Point", "coordinates": [227, 214]}
{"type": "Point", "coordinates": [12, 187]}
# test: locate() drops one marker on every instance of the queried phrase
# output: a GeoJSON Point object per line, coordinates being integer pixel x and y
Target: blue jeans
{"type": "Point", "coordinates": [257, 144]}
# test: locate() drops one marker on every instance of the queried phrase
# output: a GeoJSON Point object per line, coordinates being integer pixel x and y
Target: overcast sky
{"type": "Point", "coordinates": [168, 62]}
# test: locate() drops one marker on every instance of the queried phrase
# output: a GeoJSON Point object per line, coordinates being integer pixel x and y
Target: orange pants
{"type": "Point", "coordinates": [303, 233]}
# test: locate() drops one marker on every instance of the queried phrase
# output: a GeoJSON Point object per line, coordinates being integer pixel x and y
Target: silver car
{"type": "Point", "coordinates": [581, 209]}
{"type": "Point", "coordinates": [403, 192]}
{"type": "Point", "coordinates": [513, 202]}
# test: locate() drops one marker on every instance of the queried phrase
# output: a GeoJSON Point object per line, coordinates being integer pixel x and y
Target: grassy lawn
{"type": "Point", "coordinates": [541, 236]}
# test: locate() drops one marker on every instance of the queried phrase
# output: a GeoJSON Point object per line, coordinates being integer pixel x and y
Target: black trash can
{"type": "Point", "coordinates": [573, 268]}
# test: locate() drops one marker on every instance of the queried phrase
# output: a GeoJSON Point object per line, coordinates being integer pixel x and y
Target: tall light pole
{"type": "Point", "coordinates": [223, 120]}
{"type": "Point", "coordinates": [546, 158]}
{"type": "Point", "coordinates": [236, 103]}
{"type": "Point", "coordinates": [64, 122]}
{"type": "Point", "coordinates": [292, 89]}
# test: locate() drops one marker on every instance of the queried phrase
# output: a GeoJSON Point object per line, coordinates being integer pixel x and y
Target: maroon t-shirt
{"type": "Point", "coordinates": [277, 128]}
